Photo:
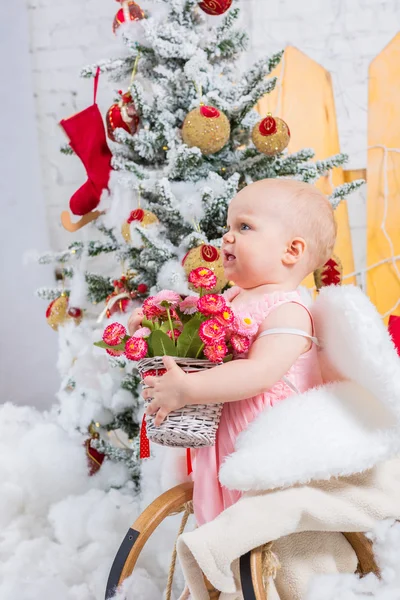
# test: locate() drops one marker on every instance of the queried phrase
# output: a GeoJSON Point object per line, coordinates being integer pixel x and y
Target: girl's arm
{"type": "Point", "coordinates": [269, 360]}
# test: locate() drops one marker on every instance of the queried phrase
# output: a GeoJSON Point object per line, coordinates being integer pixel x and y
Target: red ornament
{"type": "Point", "coordinates": [94, 458]}
{"type": "Point", "coordinates": [210, 112]}
{"type": "Point", "coordinates": [136, 215]}
{"type": "Point", "coordinates": [215, 7]}
{"type": "Point", "coordinates": [130, 11]}
{"type": "Point", "coordinates": [142, 288]}
{"type": "Point", "coordinates": [86, 133]}
{"type": "Point", "coordinates": [268, 126]}
{"type": "Point", "coordinates": [209, 253]}
{"type": "Point", "coordinates": [75, 313]}
{"type": "Point", "coordinates": [122, 115]}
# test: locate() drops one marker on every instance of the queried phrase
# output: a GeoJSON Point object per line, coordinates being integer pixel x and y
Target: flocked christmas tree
{"type": "Point", "coordinates": [185, 137]}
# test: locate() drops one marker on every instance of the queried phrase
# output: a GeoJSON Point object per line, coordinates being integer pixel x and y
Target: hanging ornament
{"type": "Point", "coordinates": [206, 256]}
{"type": "Point", "coordinates": [94, 457]}
{"type": "Point", "coordinates": [271, 135]}
{"type": "Point", "coordinates": [87, 136]}
{"type": "Point", "coordinates": [129, 11]}
{"type": "Point", "coordinates": [330, 274]}
{"type": "Point", "coordinates": [123, 115]}
{"type": "Point", "coordinates": [207, 128]}
{"type": "Point", "coordinates": [215, 7]}
{"type": "Point", "coordinates": [118, 301]}
{"type": "Point", "coordinates": [144, 217]}
{"type": "Point", "coordinates": [58, 312]}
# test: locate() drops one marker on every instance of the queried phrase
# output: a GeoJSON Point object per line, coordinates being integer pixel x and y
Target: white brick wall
{"type": "Point", "coordinates": [342, 35]}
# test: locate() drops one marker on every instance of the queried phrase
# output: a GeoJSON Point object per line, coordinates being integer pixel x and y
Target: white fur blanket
{"type": "Point", "coordinates": [355, 503]}
{"type": "Point", "coordinates": [320, 461]}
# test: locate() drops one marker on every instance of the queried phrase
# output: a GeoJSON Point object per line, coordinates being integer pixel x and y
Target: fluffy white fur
{"type": "Point", "coordinates": [339, 429]}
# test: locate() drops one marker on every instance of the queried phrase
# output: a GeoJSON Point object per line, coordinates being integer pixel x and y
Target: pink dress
{"type": "Point", "coordinates": [210, 497]}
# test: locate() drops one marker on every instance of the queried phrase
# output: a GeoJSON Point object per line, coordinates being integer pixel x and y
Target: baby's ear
{"type": "Point", "coordinates": [294, 251]}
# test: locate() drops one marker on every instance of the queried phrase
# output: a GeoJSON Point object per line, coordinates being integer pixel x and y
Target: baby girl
{"type": "Point", "coordinates": [279, 231]}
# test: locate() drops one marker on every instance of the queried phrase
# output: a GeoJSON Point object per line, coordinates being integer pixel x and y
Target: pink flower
{"type": "Point", "coordinates": [245, 325]}
{"type": "Point", "coordinates": [114, 334]}
{"type": "Point", "coordinates": [114, 352]}
{"type": "Point", "coordinates": [142, 332]}
{"type": "Point", "coordinates": [136, 348]}
{"type": "Point", "coordinates": [189, 305]}
{"type": "Point", "coordinates": [240, 343]}
{"type": "Point", "coordinates": [166, 299]}
{"type": "Point", "coordinates": [177, 333]}
{"type": "Point", "coordinates": [150, 310]}
{"type": "Point", "coordinates": [216, 352]}
{"type": "Point", "coordinates": [202, 278]}
{"type": "Point", "coordinates": [211, 331]}
{"type": "Point", "coordinates": [226, 317]}
{"type": "Point", "coordinates": [211, 304]}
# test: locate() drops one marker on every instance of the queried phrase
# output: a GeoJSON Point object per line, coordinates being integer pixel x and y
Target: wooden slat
{"type": "Point", "coordinates": [166, 504]}
{"type": "Point", "coordinates": [306, 103]}
{"type": "Point", "coordinates": [383, 285]}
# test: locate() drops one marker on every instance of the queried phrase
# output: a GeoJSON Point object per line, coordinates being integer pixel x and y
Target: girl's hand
{"type": "Point", "coordinates": [135, 320]}
{"type": "Point", "coordinates": [167, 393]}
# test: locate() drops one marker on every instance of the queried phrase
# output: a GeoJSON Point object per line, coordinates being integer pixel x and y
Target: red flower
{"type": "Point", "coordinates": [211, 304]}
{"type": "Point", "coordinates": [216, 352]}
{"type": "Point", "coordinates": [114, 352]}
{"type": "Point", "coordinates": [240, 344]}
{"type": "Point", "coordinates": [203, 278]}
{"type": "Point", "coordinates": [150, 310]}
{"type": "Point", "coordinates": [226, 317]}
{"type": "Point", "coordinates": [114, 334]}
{"type": "Point", "coordinates": [177, 333]}
{"type": "Point", "coordinates": [211, 331]}
{"type": "Point", "coordinates": [142, 288]}
{"type": "Point", "coordinates": [136, 348]}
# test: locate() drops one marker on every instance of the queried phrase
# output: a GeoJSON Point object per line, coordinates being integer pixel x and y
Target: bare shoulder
{"type": "Point", "coordinates": [290, 315]}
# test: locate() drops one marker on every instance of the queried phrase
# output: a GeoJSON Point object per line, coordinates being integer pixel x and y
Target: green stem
{"type": "Point", "coordinates": [170, 325]}
{"type": "Point", "coordinates": [201, 292]}
{"type": "Point", "coordinates": [200, 350]}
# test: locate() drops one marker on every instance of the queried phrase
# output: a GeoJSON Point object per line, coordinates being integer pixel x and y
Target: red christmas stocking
{"type": "Point", "coordinates": [88, 140]}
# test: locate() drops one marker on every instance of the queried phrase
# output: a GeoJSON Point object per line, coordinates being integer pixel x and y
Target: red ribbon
{"type": "Point", "coordinates": [144, 440]}
{"type": "Point", "coordinates": [96, 84]}
{"type": "Point", "coordinates": [189, 461]}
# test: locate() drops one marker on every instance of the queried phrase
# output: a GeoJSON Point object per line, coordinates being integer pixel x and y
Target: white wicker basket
{"type": "Point", "coordinates": [191, 426]}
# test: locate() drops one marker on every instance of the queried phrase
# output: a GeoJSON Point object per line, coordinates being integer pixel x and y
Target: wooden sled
{"type": "Point", "coordinates": [252, 564]}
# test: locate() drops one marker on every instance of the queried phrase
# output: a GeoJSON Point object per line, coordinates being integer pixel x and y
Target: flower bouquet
{"type": "Point", "coordinates": [200, 332]}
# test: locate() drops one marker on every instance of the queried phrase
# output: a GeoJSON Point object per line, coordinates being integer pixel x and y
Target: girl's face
{"type": "Point", "coordinates": [255, 244]}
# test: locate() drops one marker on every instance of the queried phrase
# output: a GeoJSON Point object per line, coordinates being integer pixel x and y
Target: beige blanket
{"type": "Point", "coordinates": [354, 503]}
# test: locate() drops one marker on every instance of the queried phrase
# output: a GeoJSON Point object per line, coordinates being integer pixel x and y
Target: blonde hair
{"type": "Point", "coordinates": [313, 217]}
{"type": "Point", "coordinates": [308, 214]}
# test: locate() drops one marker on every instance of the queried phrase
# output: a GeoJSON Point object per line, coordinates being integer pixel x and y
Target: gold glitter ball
{"type": "Point", "coordinates": [59, 311]}
{"type": "Point", "coordinates": [271, 136]}
{"type": "Point", "coordinates": [207, 128]}
{"type": "Point", "coordinates": [209, 257]}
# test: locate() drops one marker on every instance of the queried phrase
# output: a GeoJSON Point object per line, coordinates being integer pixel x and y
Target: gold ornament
{"type": "Point", "coordinates": [58, 312]}
{"type": "Point", "coordinates": [206, 256]}
{"type": "Point", "coordinates": [207, 128]}
{"type": "Point", "coordinates": [271, 136]}
{"type": "Point", "coordinates": [143, 217]}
